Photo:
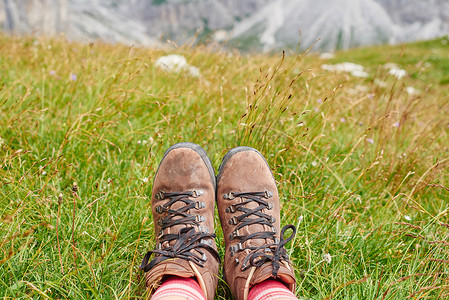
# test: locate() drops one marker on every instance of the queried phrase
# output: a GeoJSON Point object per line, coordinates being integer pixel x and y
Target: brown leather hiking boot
{"type": "Point", "coordinates": [249, 209]}
{"type": "Point", "coordinates": [183, 206]}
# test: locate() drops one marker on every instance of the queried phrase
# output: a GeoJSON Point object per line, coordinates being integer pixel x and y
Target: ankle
{"type": "Point", "coordinates": [179, 288]}
{"type": "Point", "coordinates": [270, 290]}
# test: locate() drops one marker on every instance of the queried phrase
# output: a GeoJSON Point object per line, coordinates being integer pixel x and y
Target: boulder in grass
{"type": "Point", "coordinates": [176, 63]}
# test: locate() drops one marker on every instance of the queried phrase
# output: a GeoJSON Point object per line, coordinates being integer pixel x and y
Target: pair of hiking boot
{"type": "Point", "coordinates": [185, 190]}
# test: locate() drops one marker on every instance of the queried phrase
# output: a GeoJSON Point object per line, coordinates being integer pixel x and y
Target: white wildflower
{"type": "Point", "coordinates": [398, 73]}
{"type": "Point", "coordinates": [411, 90]}
{"type": "Point", "coordinates": [407, 218]}
{"type": "Point", "coordinates": [390, 66]}
{"type": "Point", "coordinates": [300, 219]}
{"type": "Point", "coordinates": [395, 70]}
{"type": "Point", "coordinates": [139, 142]}
{"type": "Point", "coordinates": [327, 258]}
{"type": "Point", "coordinates": [145, 179]}
{"type": "Point", "coordinates": [355, 69]}
{"type": "Point", "coordinates": [314, 164]}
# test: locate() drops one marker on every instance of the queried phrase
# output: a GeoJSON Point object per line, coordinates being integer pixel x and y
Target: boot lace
{"type": "Point", "coordinates": [188, 238]}
{"type": "Point", "coordinates": [259, 255]}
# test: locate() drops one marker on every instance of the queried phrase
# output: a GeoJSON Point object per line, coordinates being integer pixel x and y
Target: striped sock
{"type": "Point", "coordinates": [181, 287]}
{"type": "Point", "coordinates": [270, 290]}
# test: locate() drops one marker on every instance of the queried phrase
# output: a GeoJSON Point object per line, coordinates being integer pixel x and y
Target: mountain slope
{"type": "Point", "coordinates": [338, 23]}
{"type": "Point", "coordinates": [249, 25]}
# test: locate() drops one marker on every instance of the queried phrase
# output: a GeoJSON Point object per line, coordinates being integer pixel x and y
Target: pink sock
{"type": "Point", "coordinates": [270, 290]}
{"type": "Point", "coordinates": [179, 286]}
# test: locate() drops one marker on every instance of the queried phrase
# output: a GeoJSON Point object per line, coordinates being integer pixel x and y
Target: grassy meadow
{"type": "Point", "coordinates": [362, 163]}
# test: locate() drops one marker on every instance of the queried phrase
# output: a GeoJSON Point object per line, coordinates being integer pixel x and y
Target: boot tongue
{"type": "Point", "coordinates": [175, 229]}
{"type": "Point", "coordinates": [247, 230]}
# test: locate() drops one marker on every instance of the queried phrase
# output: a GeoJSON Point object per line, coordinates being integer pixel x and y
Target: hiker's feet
{"type": "Point", "coordinates": [183, 205]}
{"type": "Point", "coordinates": [249, 209]}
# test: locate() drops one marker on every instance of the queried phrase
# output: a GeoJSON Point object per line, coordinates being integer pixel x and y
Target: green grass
{"type": "Point", "coordinates": [372, 195]}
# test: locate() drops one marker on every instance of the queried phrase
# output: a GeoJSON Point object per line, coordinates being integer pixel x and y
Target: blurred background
{"type": "Point", "coordinates": [249, 25]}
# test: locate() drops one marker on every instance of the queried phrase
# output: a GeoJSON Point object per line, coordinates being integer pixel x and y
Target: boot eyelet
{"type": "Point", "coordinates": [233, 221]}
{"type": "Point", "coordinates": [199, 218]}
{"type": "Point", "coordinates": [159, 209]}
{"type": "Point", "coordinates": [160, 222]}
{"type": "Point", "coordinates": [238, 247]}
{"type": "Point", "coordinates": [160, 195]}
{"type": "Point", "coordinates": [270, 206]}
{"type": "Point", "coordinates": [197, 193]}
{"type": "Point", "coordinates": [229, 196]}
{"type": "Point", "coordinates": [234, 234]}
{"type": "Point", "coordinates": [230, 209]}
{"type": "Point", "coordinates": [272, 219]}
{"type": "Point", "coordinates": [200, 204]}
{"type": "Point", "coordinates": [232, 250]}
{"type": "Point", "coordinates": [236, 261]}
{"type": "Point", "coordinates": [268, 194]}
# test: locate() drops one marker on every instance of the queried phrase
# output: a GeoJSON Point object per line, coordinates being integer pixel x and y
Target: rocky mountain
{"type": "Point", "coordinates": [340, 24]}
{"type": "Point", "coordinates": [246, 24]}
{"type": "Point", "coordinates": [76, 19]}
